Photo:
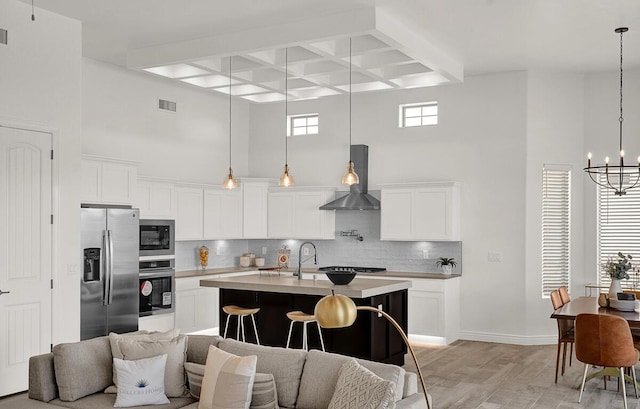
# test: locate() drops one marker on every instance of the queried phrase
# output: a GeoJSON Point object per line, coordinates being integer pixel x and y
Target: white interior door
{"type": "Point", "coordinates": [25, 253]}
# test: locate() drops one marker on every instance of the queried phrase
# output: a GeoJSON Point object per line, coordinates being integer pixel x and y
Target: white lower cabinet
{"type": "Point", "coordinates": [197, 308]}
{"type": "Point", "coordinates": [434, 310]}
{"type": "Point", "coordinates": [158, 322]}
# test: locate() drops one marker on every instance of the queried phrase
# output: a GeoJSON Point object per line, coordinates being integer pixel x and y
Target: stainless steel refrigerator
{"type": "Point", "coordinates": [109, 284]}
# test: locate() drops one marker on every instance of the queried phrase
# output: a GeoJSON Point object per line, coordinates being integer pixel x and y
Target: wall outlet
{"type": "Point", "coordinates": [305, 251]}
{"type": "Point", "coordinates": [217, 251]}
{"type": "Point", "coordinates": [425, 254]}
{"type": "Point", "coordinates": [264, 251]}
{"type": "Point", "coordinates": [493, 257]}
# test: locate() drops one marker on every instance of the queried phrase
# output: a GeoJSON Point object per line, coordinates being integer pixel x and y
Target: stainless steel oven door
{"type": "Point", "coordinates": [157, 292]}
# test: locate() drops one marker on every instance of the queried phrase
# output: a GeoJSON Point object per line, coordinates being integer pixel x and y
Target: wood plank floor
{"type": "Point", "coordinates": [483, 375]}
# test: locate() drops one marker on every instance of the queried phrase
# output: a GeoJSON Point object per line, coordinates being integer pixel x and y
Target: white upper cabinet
{"type": "Point", "coordinates": [189, 213]}
{"type": "Point", "coordinates": [255, 207]}
{"type": "Point", "coordinates": [222, 214]}
{"type": "Point", "coordinates": [420, 211]}
{"type": "Point", "coordinates": [294, 213]}
{"type": "Point", "coordinates": [108, 181]}
{"type": "Point", "coordinates": [155, 199]}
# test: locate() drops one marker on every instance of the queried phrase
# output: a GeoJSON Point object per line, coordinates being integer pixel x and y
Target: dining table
{"type": "Point", "coordinates": [589, 305]}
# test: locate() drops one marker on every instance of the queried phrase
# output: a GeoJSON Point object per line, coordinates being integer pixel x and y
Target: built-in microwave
{"type": "Point", "coordinates": [157, 238]}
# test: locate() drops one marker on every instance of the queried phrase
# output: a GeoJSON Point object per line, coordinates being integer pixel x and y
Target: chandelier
{"type": "Point", "coordinates": [620, 177]}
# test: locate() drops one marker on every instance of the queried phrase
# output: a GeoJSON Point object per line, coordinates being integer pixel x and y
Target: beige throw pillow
{"type": "Point", "coordinates": [141, 335]}
{"type": "Point", "coordinates": [176, 350]}
{"type": "Point", "coordinates": [263, 394]}
{"type": "Point", "coordinates": [228, 380]}
{"type": "Point", "coordinates": [359, 388]}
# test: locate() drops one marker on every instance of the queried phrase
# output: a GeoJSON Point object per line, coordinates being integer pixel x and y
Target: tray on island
{"type": "Point", "coordinates": [624, 305]}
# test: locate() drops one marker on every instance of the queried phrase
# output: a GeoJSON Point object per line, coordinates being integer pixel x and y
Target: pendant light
{"type": "Point", "coordinates": [621, 177]}
{"type": "Point", "coordinates": [286, 179]}
{"type": "Point", "coordinates": [230, 182]}
{"type": "Point", "coordinates": [350, 177]}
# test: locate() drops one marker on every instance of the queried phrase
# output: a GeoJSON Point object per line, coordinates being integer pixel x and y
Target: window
{"type": "Point", "coordinates": [556, 227]}
{"type": "Point", "coordinates": [423, 113]}
{"type": "Point", "coordinates": [618, 230]}
{"type": "Point", "coordinates": [306, 124]}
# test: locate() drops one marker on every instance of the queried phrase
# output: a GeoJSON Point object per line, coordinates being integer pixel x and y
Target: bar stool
{"type": "Point", "coordinates": [240, 313]}
{"type": "Point", "coordinates": [305, 319]}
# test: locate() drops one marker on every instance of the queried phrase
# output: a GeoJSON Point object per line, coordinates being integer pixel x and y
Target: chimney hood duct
{"type": "Point", "coordinates": [357, 198]}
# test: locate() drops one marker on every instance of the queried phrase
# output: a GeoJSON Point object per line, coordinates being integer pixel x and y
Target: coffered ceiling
{"type": "Point", "coordinates": [395, 43]}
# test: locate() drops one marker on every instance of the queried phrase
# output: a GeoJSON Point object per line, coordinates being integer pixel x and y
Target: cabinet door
{"type": "Point", "coordinates": [254, 215]}
{"type": "Point", "coordinates": [207, 309]}
{"type": "Point", "coordinates": [431, 214]}
{"type": "Point", "coordinates": [118, 182]}
{"type": "Point", "coordinates": [213, 216]}
{"type": "Point", "coordinates": [308, 216]}
{"type": "Point", "coordinates": [395, 215]}
{"type": "Point", "coordinates": [189, 214]}
{"type": "Point", "coordinates": [186, 318]}
{"type": "Point", "coordinates": [90, 190]}
{"type": "Point", "coordinates": [160, 322]}
{"type": "Point", "coordinates": [231, 206]}
{"type": "Point", "coordinates": [425, 313]}
{"type": "Point", "coordinates": [282, 207]}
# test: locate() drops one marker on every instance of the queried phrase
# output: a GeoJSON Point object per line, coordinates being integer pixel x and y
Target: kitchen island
{"type": "Point", "coordinates": [370, 337]}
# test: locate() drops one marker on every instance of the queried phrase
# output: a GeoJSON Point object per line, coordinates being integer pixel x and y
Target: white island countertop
{"type": "Point", "coordinates": [358, 288]}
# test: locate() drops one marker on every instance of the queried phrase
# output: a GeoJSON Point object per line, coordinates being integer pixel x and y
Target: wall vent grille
{"type": "Point", "coordinates": [166, 105]}
{"type": "Point", "coordinates": [4, 36]}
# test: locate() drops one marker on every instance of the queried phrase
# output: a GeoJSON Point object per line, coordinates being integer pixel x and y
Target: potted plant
{"type": "Point", "coordinates": [446, 264]}
{"type": "Point", "coordinates": [617, 270]}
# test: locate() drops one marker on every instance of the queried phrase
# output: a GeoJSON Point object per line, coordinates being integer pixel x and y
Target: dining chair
{"type": "Point", "coordinates": [564, 294]}
{"type": "Point", "coordinates": [605, 340]}
{"type": "Point", "coordinates": [565, 334]}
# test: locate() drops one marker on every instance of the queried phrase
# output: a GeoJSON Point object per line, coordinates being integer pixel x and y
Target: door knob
{"type": "Point", "coordinates": [4, 292]}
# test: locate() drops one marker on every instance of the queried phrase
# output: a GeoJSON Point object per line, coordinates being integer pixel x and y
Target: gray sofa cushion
{"type": "Point", "coordinates": [42, 379]}
{"type": "Point", "coordinates": [320, 376]}
{"type": "Point", "coordinates": [285, 365]}
{"type": "Point", "coordinates": [198, 347]}
{"type": "Point", "coordinates": [106, 401]}
{"type": "Point", "coordinates": [82, 368]}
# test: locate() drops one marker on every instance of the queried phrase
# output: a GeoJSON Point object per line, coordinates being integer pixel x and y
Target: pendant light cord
{"type": "Point", "coordinates": [286, 106]}
{"type": "Point", "coordinates": [350, 69]}
{"type": "Point", "coordinates": [230, 112]}
{"type": "Point", "coordinates": [33, 13]}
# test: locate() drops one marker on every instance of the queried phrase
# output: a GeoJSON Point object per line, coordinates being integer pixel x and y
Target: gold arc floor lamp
{"type": "Point", "coordinates": [339, 311]}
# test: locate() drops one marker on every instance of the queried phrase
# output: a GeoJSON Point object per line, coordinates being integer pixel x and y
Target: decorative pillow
{"type": "Point", "coordinates": [140, 335]}
{"type": "Point", "coordinates": [227, 381]}
{"type": "Point", "coordinates": [176, 350]}
{"type": "Point", "coordinates": [82, 368]}
{"type": "Point", "coordinates": [140, 382]}
{"type": "Point", "coordinates": [263, 393]}
{"type": "Point", "coordinates": [359, 388]}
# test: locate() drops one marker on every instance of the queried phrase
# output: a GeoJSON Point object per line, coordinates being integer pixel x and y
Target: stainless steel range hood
{"type": "Point", "coordinates": [357, 198]}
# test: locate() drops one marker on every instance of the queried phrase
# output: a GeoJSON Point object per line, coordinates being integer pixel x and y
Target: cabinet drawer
{"type": "Point", "coordinates": [427, 285]}
{"type": "Point", "coordinates": [191, 283]}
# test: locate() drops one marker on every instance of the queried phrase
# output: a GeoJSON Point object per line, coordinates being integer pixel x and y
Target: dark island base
{"type": "Point", "coordinates": [370, 337]}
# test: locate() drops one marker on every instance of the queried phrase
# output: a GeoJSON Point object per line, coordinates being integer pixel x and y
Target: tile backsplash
{"type": "Point", "coordinates": [370, 252]}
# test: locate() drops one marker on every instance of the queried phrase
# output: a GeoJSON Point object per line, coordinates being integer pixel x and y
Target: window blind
{"type": "Point", "coordinates": [618, 231]}
{"type": "Point", "coordinates": [556, 226]}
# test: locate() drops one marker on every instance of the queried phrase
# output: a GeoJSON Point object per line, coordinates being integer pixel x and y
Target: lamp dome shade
{"type": "Point", "coordinates": [335, 311]}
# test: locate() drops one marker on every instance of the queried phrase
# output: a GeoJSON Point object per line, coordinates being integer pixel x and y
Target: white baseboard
{"type": "Point", "coordinates": [426, 339]}
{"type": "Point", "coordinates": [509, 339]}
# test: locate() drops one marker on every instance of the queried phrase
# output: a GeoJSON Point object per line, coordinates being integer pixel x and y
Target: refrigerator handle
{"type": "Point", "coordinates": [110, 244]}
{"type": "Point", "coordinates": [104, 273]}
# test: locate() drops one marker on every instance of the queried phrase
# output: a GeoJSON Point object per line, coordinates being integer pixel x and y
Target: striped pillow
{"type": "Point", "coordinates": [263, 395]}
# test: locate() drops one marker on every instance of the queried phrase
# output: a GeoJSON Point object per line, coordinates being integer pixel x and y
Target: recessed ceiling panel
{"type": "Point", "coordinates": [177, 71]}
{"type": "Point", "coordinates": [210, 81]}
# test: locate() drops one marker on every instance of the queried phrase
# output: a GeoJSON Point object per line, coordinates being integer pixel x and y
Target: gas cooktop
{"type": "Point", "coordinates": [354, 269]}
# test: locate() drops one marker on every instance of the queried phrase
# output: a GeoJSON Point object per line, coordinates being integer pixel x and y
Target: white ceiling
{"type": "Point", "coordinates": [396, 43]}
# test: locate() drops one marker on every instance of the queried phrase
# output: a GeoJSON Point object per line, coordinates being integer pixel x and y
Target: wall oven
{"type": "Point", "coordinates": [157, 286]}
{"type": "Point", "coordinates": [157, 238]}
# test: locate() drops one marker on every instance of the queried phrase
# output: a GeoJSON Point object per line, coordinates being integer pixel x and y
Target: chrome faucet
{"type": "Point", "coordinates": [300, 260]}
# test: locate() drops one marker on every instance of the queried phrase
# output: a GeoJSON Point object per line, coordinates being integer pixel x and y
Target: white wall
{"type": "Point", "coordinates": [120, 119]}
{"type": "Point", "coordinates": [555, 128]}
{"type": "Point", "coordinates": [40, 85]}
{"type": "Point", "coordinates": [480, 140]}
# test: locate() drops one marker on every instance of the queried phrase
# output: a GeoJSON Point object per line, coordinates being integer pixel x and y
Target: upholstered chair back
{"type": "Point", "coordinates": [604, 340]}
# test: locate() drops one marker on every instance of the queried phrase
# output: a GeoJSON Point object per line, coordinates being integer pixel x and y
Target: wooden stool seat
{"type": "Point", "coordinates": [240, 312]}
{"type": "Point", "coordinates": [304, 319]}
{"type": "Point", "coordinates": [235, 310]}
{"type": "Point", "coordinates": [299, 316]}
